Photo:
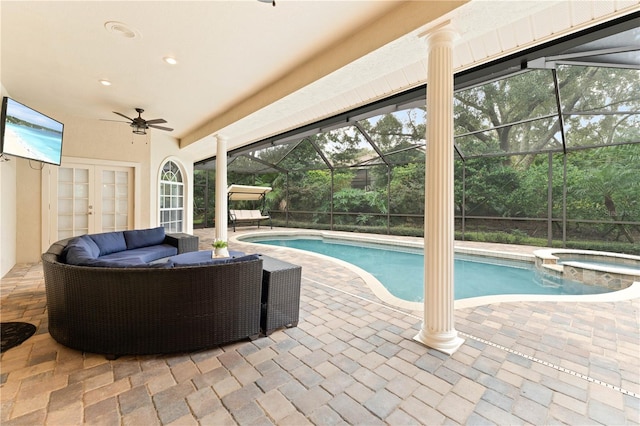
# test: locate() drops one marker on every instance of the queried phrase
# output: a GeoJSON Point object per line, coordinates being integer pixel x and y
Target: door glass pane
{"type": "Point", "coordinates": [121, 221]}
{"type": "Point", "coordinates": [108, 177]}
{"type": "Point", "coordinates": [108, 191]}
{"type": "Point", "coordinates": [81, 206]}
{"type": "Point", "coordinates": [65, 174]}
{"type": "Point", "coordinates": [108, 222]}
{"type": "Point", "coordinates": [81, 175]}
{"type": "Point", "coordinates": [121, 191]}
{"type": "Point", "coordinates": [65, 207]}
{"type": "Point", "coordinates": [65, 222]}
{"type": "Point", "coordinates": [65, 190]}
{"type": "Point", "coordinates": [108, 205]}
{"type": "Point", "coordinates": [122, 178]}
{"type": "Point", "coordinates": [81, 190]}
{"type": "Point", "coordinates": [81, 221]}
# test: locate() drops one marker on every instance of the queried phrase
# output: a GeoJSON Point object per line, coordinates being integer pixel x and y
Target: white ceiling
{"type": "Point", "coordinates": [237, 59]}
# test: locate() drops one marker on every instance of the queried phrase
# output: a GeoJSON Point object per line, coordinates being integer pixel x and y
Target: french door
{"type": "Point", "coordinates": [86, 199]}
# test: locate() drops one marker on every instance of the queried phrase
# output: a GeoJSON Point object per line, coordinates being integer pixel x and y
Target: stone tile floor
{"type": "Point", "coordinates": [351, 360]}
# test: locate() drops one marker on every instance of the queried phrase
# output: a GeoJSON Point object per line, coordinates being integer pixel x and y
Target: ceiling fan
{"type": "Point", "coordinates": [140, 125]}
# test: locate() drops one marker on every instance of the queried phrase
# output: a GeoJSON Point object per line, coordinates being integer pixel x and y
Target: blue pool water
{"type": "Point", "coordinates": [401, 271]}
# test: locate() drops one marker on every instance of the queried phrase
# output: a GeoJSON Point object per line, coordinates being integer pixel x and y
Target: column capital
{"type": "Point", "coordinates": [221, 138]}
{"type": "Point", "coordinates": [442, 32]}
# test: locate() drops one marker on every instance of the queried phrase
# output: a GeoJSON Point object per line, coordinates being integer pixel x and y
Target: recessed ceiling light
{"type": "Point", "coordinates": [170, 60]}
{"type": "Point", "coordinates": [121, 29]}
{"type": "Point", "coordinates": [105, 82]}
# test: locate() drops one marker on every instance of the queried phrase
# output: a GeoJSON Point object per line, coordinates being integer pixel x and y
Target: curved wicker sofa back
{"type": "Point", "coordinates": [120, 311]}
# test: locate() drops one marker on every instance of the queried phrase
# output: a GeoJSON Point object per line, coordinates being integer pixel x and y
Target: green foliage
{"type": "Point", "coordinates": [610, 246]}
{"type": "Point", "coordinates": [513, 237]}
{"type": "Point", "coordinates": [489, 187]}
{"type": "Point", "coordinates": [407, 189]}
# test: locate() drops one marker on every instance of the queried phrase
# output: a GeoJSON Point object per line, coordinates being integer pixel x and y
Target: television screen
{"type": "Point", "coordinates": [29, 134]}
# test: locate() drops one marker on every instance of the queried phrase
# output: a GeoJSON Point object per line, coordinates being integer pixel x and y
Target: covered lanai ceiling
{"type": "Point", "coordinates": [247, 70]}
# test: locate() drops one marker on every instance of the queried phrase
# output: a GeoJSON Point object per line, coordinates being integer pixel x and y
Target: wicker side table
{"type": "Point", "coordinates": [185, 242]}
{"type": "Point", "coordinates": [280, 294]}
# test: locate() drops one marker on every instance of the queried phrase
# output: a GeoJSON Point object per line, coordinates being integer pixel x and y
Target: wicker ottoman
{"type": "Point", "coordinates": [186, 243]}
{"type": "Point", "coordinates": [280, 294]}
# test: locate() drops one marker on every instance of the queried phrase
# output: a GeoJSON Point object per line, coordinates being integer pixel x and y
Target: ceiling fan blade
{"type": "Point", "coordinates": [160, 127]}
{"type": "Point", "coordinates": [156, 121]}
{"type": "Point", "coordinates": [122, 115]}
{"type": "Point", "coordinates": [117, 121]}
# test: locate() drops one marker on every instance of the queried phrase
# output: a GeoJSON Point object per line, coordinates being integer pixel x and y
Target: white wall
{"type": "Point", "coordinates": [7, 211]}
{"type": "Point", "coordinates": [7, 216]}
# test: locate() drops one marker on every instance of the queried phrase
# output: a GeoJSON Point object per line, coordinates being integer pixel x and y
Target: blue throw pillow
{"type": "Point", "coordinates": [109, 242]}
{"type": "Point", "coordinates": [80, 251]}
{"type": "Point", "coordinates": [144, 237]}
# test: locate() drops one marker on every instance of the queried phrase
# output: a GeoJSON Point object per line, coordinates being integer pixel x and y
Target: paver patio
{"type": "Point", "coordinates": [351, 360]}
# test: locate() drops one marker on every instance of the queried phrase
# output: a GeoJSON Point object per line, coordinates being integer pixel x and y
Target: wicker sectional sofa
{"type": "Point", "coordinates": [136, 308]}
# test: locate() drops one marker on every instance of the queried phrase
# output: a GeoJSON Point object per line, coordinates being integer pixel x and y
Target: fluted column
{"type": "Point", "coordinates": [221, 189]}
{"type": "Point", "coordinates": [438, 331]}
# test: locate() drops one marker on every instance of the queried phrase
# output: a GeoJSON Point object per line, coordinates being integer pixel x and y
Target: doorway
{"type": "Point", "coordinates": [89, 198]}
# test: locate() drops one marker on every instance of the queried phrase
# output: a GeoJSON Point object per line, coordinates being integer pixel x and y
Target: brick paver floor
{"type": "Point", "coordinates": [351, 360]}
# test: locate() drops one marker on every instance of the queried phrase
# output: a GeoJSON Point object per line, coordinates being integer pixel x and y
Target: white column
{"type": "Point", "coordinates": [221, 189]}
{"type": "Point", "coordinates": [438, 330]}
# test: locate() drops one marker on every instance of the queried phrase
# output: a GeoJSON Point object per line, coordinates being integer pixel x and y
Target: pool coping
{"type": "Point", "coordinates": [384, 295]}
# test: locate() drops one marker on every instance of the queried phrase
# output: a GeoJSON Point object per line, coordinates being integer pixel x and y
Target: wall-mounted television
{"type": "Point", "coordinates": [27, 133]}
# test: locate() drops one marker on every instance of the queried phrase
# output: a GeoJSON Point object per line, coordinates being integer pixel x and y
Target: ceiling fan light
{"type": "Point", "coordinates": [139, 130]}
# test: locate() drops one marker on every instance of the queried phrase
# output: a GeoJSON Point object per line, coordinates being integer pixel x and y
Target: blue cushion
{"type": "Point", "coordinates": [109, 242]}
{"type": "Point", "coordinates": [218, 261]}
{"type": "Point", "coordinates": [142, 254]}
{"type": "Point", "coordinates": [162, 265]}
{"type": "Point", "coordinates": [80, 250]}
{"type": "Point", "coordinates": [120, 264]}
{"type": "Point", "coordinates": [108, 264]}
{"type": "Point", "coordinates": [144, 237]}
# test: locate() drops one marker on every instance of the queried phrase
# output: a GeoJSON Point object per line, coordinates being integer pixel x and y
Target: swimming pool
{"type": "Point", "coordinates": [401, 270]}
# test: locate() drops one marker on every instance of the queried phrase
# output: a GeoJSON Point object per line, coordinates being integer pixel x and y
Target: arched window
{"type": "Point", "coordinates": [171, 197]}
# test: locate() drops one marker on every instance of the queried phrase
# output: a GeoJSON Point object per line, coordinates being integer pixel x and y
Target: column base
{"type": "Point", "coordinates": [446, 342]}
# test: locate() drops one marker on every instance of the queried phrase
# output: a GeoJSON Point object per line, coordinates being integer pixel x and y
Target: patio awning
{"type": "Point", "coordinates": [245, 192]}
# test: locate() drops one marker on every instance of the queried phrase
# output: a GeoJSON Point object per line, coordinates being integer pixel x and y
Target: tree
{"type": "Point", "coordinates": [609, 187]}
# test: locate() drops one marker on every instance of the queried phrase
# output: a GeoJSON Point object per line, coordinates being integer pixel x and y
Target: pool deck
{"type": "Point", "coordinates": [351, 360]}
